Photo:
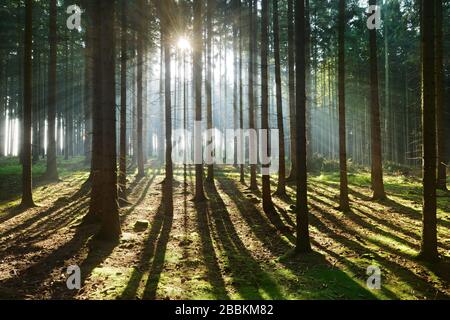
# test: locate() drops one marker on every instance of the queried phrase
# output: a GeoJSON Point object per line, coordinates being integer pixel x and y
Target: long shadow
{"type": "Point", "coordinates": [98, 252]}
{"type": "Point", "coordinates": [357, 219]}
{"type": "Point", "coordinates": [142, 196]}
{"type": "Point", "coordinates": [209, 255]}
{"type": "Point", "coordinates": [160, 252]}
{"type": "Point", "coordinates": [248, 277]}
{"type": "Point", "coordinates": [254, 219]}
{"type": "Point", "coordinates": [37, 278]}
{"type": "Point", "coordinates": [408, 276]}
{"type": "Point", "coordinates": [58, 204]}
{"type": "Point", "coordinates": [147, 254]}
{"type": "Point", "coordinates": [312, 268]}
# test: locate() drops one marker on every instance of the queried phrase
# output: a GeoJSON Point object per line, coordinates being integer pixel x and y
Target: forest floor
{"type": "Point", "coordinates": [225, 248]}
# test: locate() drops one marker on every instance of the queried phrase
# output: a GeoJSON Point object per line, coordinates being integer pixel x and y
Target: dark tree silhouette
{"type": "Point", "coordinates": [428, 249]}
{"type": "Point", "coordinates": [377, 166]}
{"type": "Point", "coordinates": [52, 172]}
{"type": "Point", "coordinates": [104, 205]}
{"type": "Point", "coordinates": [303, 243]}
{"type": "Point", "coordinates": [197, 62]}
{"type": "Point", "coordinates": [343, 198]}
{"type": "Point", "coordinates": [27, 196]}
{"type": "Point", "coordinates": [123, 106]}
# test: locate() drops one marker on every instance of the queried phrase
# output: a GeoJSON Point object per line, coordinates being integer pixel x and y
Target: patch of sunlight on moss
{"type": "Point", "coordinates": [392, 243]}
{"type": "Point", "coordinates": [172, 257]}
{"type": "Point", "coordinates": [114, 281]}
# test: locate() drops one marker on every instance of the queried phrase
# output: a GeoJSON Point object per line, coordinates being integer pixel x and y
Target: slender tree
{"type": "Point", "coordinates": [251, 97]}
{"type": "Point", "coordinates": [303, 243]}
{"type": "Point", "coordinates": [209, 116]}
{"type": "Point", "coordinates": [197, 74]}
{"type": "Point", "coordinates": [123, 106]}
{"type": "Point", "coordinates": [440, 113]}
{"type": "Point", "coordinates": [52, 172]}
{"type": "Point", "coordinates": [140, 90]}
{"type": "Point", "coordinates": [166, 26]}
{"type": "Point", "coordinates": [27, 196]}
{"type": "Point", "coordinates": [291, 84]}
{"type": "Point", "coordinates": [428, 249]}
{"type": "Point", "coordinates": [377, 166]}
{"type": "Point", "coordinates": [88, 78]}
{"type": "Point", "coordinates": [241, 93]}
{"type": "Point", "coordinates": [266, 194]}
{"type": "Point", "coordinates": [281, 188]}
{"type": "Point", "coordinates": [343, 199]}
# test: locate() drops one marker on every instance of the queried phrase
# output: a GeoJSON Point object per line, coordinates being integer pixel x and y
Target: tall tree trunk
{"type": "Point", "coordinates": [281, 189]}
{"type": "Point", "coordinates": [209, 119]}
{"type": "Point", "coordinates": [27, 197]}
{"type": "Point", "coordinates": [88, 86]}
{"type": "Point", "coordinates": [377, 166]}
{"type": "Point", "coordinates": [440, 113]}
{"type": "Point", "coordinates": [165, 10]}
{"type": "Point", "coordinates": [428, 249]}
{"type": "Point", "coordinates": [303, 243]}
{"type": "Point", "coordinates": [241, 93]}
{"type": "Point", "coordinates": [343, 198]}
{"type": "Point", "coordinates": [197, 57]}
{"type": "Point", "coordinates": [140, 88]}
{"type": "Point", "coordinates": [52, 172]}
{"type": "Point", "coordinates": [266, 193]}
{"type": "Point", "coordinates": [308, 84]}
{"type": "Point", "coordinates": [104, 183]}
{"type": "Point", "coordinates": [123, 106]}
{"type": "Point", "coordinates": [251, 98]}
{"type": "Point", "coordinates": [292, 102]}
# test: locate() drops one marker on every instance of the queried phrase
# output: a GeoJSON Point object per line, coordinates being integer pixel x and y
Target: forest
{"type": "Point", "coordinates": [224, 150]}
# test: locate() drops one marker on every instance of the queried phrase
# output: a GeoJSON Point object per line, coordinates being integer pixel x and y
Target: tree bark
{"type": "Point", "coordinates": [140, 88]}
{"type": "Point", "coordinates": [251, 98]}
{"type": "Point", "coordinates": [343, 198]}
{"type": "Point", "coordinates": [281, 188]}
{"type": "Point", "coordinates": [440, 113]}
{"type": "Point", "coordinates": [428, 249]}
{"type": "Point", "coordinates": [303, 242]}
{"type": "Point", "coordinates": [123, 105]}
{"type": "Point", "coordinates": [292, 101]}
{"type": "Point", "coordinates": [266, 193]}
{"type": "Point", "coordinates": [377, 166]}
{"type": "Point", "coordinates": [27, 197]}
{"type": "Point", "coordinates": [209, 13]}
{"type": "Point", "coordinates": [52, 172]}
{"type": "Point", "coordinates": [197, 62]}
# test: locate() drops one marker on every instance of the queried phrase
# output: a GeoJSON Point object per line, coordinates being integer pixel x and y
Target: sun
{"type": "Point", "coordinates": [183, 44]}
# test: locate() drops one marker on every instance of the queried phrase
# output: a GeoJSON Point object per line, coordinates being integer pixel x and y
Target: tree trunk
{"type": "Point", "coordinates": [377, 166]}
{"type": "Point", "coordinates": [428, 249]}
{"type": "Point", "coordinates": [292, 102]}
{"type": "Point", "coordinates": [241, 93]}
{"type": "Point", "coordinates": [88, 86]}
{"type": "Point", "coordinates": [104, 87]}
{"type": "Point", "coordinates": [251, 98]}
{"type": "Point", "coordinates": [303, 243]}
{"type": "Point", "coordinates": [27, 197]}
{"type": "Point", "coordinates": [140, 88]}
{"type": "Point", "coordinates": [440, 113]}
{"type": "Point", "coordinates": [165, 10]}
{"type": "Point", "coordinates": [52, 172]}
{"type": "Point", "coordinates": [281, 188]}
{"type": "Point", "coordinates": [266, 193]}
{"type": "Point", "coordinates": [343, 198]}
{"type": "Point", "coordinates": [210, 176]}
{"type": "Point", "coordinates": [123, 106]}
{"type": "Point", "coordinates": [197, 57]}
